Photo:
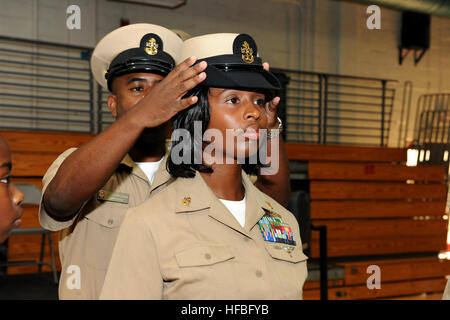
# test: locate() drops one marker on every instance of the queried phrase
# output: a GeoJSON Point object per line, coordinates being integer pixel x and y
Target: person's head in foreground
{"type": "Point", "coordinates": [230, 111]}
{"type": "Point", "coordinates": [10, 196]}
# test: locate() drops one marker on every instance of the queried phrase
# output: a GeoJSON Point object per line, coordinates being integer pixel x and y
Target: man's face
{"type": "Point", "coordinates": [10, 196]}
{"type": "Point", "coordinates": [130, 89]}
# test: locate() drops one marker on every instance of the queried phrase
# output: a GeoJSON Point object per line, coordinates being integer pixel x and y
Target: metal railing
{"type": "Point", "coordinates": [432, 123]}
{"type": "Point", "coordinates": [336, 109]}
{"type": "Point", "coordinates": [45, 86]}
{"type": "Point", "coordinates": [432, 129]}
{"type": "Point", "coordinates": [405, 114]}
{"type": "Point", "coordinates": [49, 86]}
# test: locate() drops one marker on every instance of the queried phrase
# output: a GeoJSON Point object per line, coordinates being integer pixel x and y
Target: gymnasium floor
{"type": "Point", "coordinates": [28, 287]}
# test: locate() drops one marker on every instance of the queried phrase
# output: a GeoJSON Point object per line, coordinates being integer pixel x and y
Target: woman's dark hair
{"type": "Point", "coordinates": [186, 119]}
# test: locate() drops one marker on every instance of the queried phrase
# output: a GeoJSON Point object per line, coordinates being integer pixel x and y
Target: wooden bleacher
{"type": "Point", "coordinates": [379, 212]}
{"type": "Point", "coordinates": [32, 154]}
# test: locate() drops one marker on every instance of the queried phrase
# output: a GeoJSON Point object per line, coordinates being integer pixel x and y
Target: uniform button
{"type": "Point", "coordinates": [208, 256]}
{"type": "Point", "coordinates": [259, 273]}
{"type": "Point", "coordinates": [110, 221]}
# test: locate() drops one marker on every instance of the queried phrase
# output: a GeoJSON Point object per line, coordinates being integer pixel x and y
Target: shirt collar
{"type": "Point", "coordinates": [161, 175]}
{"type": "Point", "coordinates": [195, 195]}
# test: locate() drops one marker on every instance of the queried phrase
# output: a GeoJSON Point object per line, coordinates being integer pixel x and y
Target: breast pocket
{"type": "Point", "coordinates": [206, 271]}
{"type": "Point", "coordinates": [103, 226]}
{"type": "Point", "coordinates": [289, 266]}
{"type": "Point", "coordinates": [286, 253]}
{"type": "Point", "coordinates": [204, 255]}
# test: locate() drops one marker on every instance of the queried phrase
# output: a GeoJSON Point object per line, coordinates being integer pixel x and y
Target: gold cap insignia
{"type": "Point", "coordinates": [151, 47]}
{"type": "Point", "coordinates": [186, 201]}
{"type": "Point", "coordinates": [247, 52]}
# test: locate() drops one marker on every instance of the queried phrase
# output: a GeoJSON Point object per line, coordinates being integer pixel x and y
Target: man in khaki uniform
{"type": "Point", "coordinates": [86, 241]}
{"type": "Point", "coordinates": [87, 191]}
{"type": "Point", "coordinates": [211, 234]}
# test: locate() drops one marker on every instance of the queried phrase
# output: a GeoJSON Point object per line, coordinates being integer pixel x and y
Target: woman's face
{"type": "Point", "coordinates": [10, 196]}
{"type": "Point", "coordinates": [243, 114]}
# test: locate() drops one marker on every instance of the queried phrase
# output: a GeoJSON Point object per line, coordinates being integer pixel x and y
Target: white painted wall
{"type": "Point", "coordinates": [374, 53]}
{"type": "Point", "coordinates": [311, 35]}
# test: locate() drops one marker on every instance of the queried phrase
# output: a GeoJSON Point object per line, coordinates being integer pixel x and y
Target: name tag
{"type": "Point", "coordinates": [120, 197]}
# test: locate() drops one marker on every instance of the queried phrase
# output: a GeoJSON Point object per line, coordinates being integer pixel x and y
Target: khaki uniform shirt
{"type": "Point", "coordinates": [446, 295]}
{"type": "Point", "coordinates": [87, 240]}
{"type": "Point", "coordinates": [184, 244]}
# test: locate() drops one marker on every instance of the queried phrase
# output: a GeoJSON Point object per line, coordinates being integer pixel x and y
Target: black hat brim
{"type": "Point", "coordinates": [240, 79]}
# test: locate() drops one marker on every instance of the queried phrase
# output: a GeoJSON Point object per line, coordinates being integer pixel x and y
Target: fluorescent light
{"type": "Point", "coordinates": [427, 155]}
{"type": "Point", "coordinates": [412, 157]}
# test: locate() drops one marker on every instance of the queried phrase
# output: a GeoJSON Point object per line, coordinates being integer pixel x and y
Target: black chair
{"type": "Point", "coordinates": [299, 205]}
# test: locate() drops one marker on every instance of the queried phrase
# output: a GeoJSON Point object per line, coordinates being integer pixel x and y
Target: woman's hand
{"type": "Point", "coordinates": [271, 107]}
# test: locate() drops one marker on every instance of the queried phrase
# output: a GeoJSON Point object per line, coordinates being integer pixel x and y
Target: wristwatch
{"type": "Point", "coordinates": [275, 132]}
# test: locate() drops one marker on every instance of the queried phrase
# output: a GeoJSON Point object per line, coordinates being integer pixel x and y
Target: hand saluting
{"type": "Point", "coordinates": [166, 98]}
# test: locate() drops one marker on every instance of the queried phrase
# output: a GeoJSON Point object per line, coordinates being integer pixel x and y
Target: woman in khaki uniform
{"type": "Point", "coordinates": [212, 234]}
